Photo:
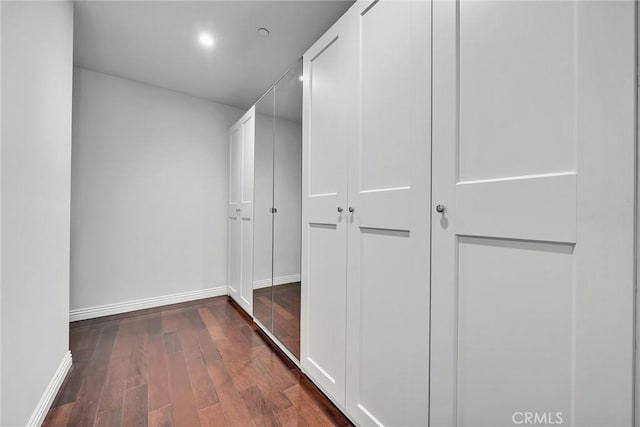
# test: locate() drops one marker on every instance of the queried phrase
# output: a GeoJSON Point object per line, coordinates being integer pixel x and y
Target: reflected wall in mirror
{"type": "Point", "coordinates": [278, 210]}
{"type": "Point", "coordinates": [287, 224]}
{"type": "Point", "coordinates": [262, 211]}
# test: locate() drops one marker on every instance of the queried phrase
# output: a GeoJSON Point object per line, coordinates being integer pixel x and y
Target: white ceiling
{"type": "Point", "coordinates": [156, 42]}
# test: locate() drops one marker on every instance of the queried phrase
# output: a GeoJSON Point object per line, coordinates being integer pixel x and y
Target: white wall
{"type": "Point", "coordinates": [149, 191]}
{"type": "Point", "coordinates": [37, 56]}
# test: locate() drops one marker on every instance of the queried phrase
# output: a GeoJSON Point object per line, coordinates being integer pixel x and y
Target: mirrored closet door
{"type": "Point", "coordinates": [287, 221]}
{"type": "Point", "coordinates": [263, 211]}
{"type": "Point", "coordinates": [278, 209]}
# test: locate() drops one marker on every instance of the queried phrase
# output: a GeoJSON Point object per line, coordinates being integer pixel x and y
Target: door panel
{"type": "Point", "coordinates": [263, 211]}
{"type": "Point", "coordinates": [248, 137]}
{"type": "Point", "coordinates": [246, 293]}
{"type": "Point", "coordinates": [518, 207]}
{"type": "Point", "coordinates": [235, 182]}
{"type": "Point", "coordinates": [326, 75]}
{"type": "Point", "coordinates": [388, 237]}
{"type": "Point", "coordinates": [235, 165]}
{"type": "Point", "coordinates": [515, 56]}
{"type": "Point", "coordinates": [246, 213]}
{"type": "Point", "coordinates": [532, 115]}
{"type": "Point", "coordinates": [325, 328]}
{"type": "Point", "coordinates": [329, 68]}
{"type": "Point", "coordinates": [523, 305]}
{"type": "Point", "coordinates": [287, 199]}
{"type": "Point", "coordinates": [385, 62]}
{"type": "Point", "coordinates": [235, 233]}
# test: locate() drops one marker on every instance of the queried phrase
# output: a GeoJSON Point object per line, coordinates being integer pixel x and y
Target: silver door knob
{"type": "Point", "coordinates": [351, 209]}
{"type": "Point", "coordinates": [440, 208]}
{"type": "Point", "coordinates": [339, 209]}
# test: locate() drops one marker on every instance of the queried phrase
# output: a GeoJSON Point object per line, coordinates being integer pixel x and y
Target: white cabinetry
{"type": "Point", "coordinates": [388, 230]}
{"type": "Point", "coordinates": [328, 127]}
{"type": "Point", "coordinates": [366, 199]}
{"type": "Point", "coordinates": [532, 259]}
{"type": "Point", "coordinates": [468, 212]}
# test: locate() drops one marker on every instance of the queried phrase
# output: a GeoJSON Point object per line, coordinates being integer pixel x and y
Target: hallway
{"type": "Point", "coordinates": [187, 364]}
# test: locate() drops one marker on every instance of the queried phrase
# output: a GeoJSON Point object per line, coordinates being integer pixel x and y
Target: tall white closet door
{"type": "Point", "coordinates": [234, 210]}
{"type": "Point", "coordinates": [246, 213]}
{"type": "Point", "coordinates": [327, 130]}
{"type": "Point", "coordinates": [240, 211]}
{"type": "Point", "coordinates": [388, 237]}
{"type": "Point", "coordinates": [532, 257]}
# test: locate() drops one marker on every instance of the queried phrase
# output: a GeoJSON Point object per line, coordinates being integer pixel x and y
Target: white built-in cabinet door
{"type": "Point", "coordinates": [240, 211]}
{"type": "Point", "coordinates": [328, 129]}
{"type": "Point", "coordinates": [532, 257]}
{"type": "Point", "coordinates": [388, 228]}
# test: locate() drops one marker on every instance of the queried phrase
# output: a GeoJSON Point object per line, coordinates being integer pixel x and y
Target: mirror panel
{"type": "Point", "coordinates": [287, 195]}
{"type": "Point", "coordinates": [262, 205]}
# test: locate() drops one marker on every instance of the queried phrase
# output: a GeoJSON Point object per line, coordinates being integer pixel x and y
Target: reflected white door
{"type": "Point", "coordinates": [328, 127]}
{"type": "Point", "coordinates": [388, 237]}
{"type": "Point", "coordinates": [240, 211]}
{"type": "Point", "coordinates": [532, 256]}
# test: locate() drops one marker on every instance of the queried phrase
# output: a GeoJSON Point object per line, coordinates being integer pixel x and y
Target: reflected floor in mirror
{"type": "Point", "coordinates": [262, 306]}
{"type": "Point", "coordinates": [198, 363]}
{"type": "Point", "coordinates": [285, 313]}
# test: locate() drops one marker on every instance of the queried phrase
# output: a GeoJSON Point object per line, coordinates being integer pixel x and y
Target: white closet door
{"type": "Point", "coordinates": [388, 238]}
{"type": "Point", "coordinates": [532, 258]}
{"type": "Point", "coordinates": [235, 183]}
{"type": "Point", "coordinates": [240, 212]}
{"type": "Point", "coordinates": [329, 67]}
{"type": "Point", "coordinates": [246, 212]}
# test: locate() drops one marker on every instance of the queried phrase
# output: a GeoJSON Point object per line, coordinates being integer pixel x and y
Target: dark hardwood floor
{"type": "Point", "coordinates": [200, 363]}
{"type": "Point", "coordinates": [281, 305]}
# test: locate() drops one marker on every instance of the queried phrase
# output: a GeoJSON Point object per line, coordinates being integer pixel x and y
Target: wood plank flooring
{"type": "Point", "coordinates": [278, 308]}
{"type": "Point", "coordinates": [199, 363]}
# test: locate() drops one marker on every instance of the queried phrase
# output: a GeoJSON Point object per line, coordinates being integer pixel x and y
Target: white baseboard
{"type": "Point", "coordinates": [124, 307]}
{"type": "Point", "coordinates": [40, 412]}
{"type": "Point", "coordinates": [282, 280]}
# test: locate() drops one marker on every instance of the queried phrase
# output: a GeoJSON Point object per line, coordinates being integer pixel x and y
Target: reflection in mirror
{"type": "Point", "coordinates": [287, 196]}
{"type": "Point", "coordinates": [262, 205]}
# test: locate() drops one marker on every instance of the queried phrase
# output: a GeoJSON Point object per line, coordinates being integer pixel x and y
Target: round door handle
{"type": "Point", "coordinates": [440, 208]}
{"type": "Point", "coordinates": [351, 209]}
{"type": "Point", "coordinates": [339, 209]}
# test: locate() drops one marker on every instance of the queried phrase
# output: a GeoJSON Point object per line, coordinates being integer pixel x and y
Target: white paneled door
{"type": "Point", "coordinates": [328, 128]}
{"type": "Point", "coordinates": [240, 211]}
{"type": "Point", "coordinates": [388, 218]}
{"type": "Point", "coordinates": [532, 227]}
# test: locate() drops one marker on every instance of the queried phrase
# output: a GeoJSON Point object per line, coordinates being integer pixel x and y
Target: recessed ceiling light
{"type": "Point", "coordinates": [205, 39]}
{"type": "Point", "coordinates": [263, 33]}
